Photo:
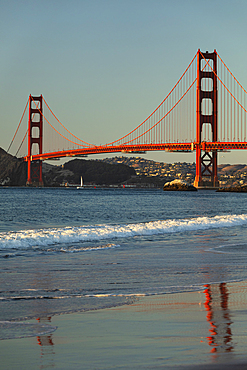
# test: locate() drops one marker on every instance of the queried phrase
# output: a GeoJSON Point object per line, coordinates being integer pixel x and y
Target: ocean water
{"type": "Point", "coordinates": [67, 250]}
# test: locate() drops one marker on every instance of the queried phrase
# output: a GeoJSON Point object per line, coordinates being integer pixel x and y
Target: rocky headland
{"type": "Point", "coordinates": [178, 185]}
{"type": "Point", "coordinates": [233, 189]}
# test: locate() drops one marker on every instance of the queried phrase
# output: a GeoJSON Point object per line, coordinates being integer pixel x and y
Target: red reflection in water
{"type": "Point", "coordinates": [45, 340]}
{"type": "Point", "coordinates": [218, 316]}
{"type": "Point", "coordinates": [47, 346]}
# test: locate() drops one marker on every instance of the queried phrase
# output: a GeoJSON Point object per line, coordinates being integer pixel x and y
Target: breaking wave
{"type": "Point", "coordinates": [25, 239]}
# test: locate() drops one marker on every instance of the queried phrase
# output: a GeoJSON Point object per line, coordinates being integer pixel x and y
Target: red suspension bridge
{"type": "Point", "coordinates": [204, 112]}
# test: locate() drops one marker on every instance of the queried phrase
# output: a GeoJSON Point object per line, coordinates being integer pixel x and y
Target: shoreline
{"type": "Point", "coordinates": [179, 330]}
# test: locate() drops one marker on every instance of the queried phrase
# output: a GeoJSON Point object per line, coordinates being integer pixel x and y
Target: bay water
{"type": "Point", "coordinates": [66, 250]}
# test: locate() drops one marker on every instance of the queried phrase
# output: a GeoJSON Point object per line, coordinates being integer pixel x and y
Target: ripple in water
{"type": "Point", "coordinates": [15, 330]}
{"type": "Point", "coordinates": [230, 248]}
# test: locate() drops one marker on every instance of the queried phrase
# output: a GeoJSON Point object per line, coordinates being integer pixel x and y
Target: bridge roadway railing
{"type": "Point", "coordinates": [140, 148]}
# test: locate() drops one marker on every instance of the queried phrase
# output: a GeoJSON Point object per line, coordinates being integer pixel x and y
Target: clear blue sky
{"type": "Point", "coordinates": [104, 65]}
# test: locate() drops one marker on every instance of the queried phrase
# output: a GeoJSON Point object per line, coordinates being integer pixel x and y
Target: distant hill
{"type": "Point", "coordinates": [231, 168]}
{"type": "Point", "coordinates": [112, 171]}
{"type": "Point", "coordinates": [12, 170]}
{"type": "Point", "coordinates": [99, 172]}
{"type": "Point", "coordinates": [158, 172]}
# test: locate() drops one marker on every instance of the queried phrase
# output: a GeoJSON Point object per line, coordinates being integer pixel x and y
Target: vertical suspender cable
{"type": "Point", "coordinates": [169, 116]}
{"type": "Point", "coordinates": [241, 115]}
{"type": "Point", "coordinates": [234, 113]}
{"type": "Point", "coordinates": [221, 93]}
{"type": "Point", "coordinates": [227, 106]}
{"type": "Point", "coordinates": [239, 129]}
{"type": "Point", "coordinates": [245, 118]}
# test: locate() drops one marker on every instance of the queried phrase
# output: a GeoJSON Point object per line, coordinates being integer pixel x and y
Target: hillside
{"type": "Point", "coordinates": [99, 172]}
{"type": "Point", "coordinates": [159, 172]}
{"type": "Point", "coordinates": [12, 170]}
{"type": "Point", "coordinates": [111, 171]}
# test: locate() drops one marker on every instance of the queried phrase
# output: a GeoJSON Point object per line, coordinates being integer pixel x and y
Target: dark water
{"type": "Point", "coordinates": [66, 250]}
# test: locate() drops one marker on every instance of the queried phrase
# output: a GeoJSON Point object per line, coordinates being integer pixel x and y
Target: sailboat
{"type": "Point", "coordinates": [80, 187]}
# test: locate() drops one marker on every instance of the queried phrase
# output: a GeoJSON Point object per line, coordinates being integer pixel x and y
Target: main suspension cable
{"type": "Point", "coordinates": [17, 128]}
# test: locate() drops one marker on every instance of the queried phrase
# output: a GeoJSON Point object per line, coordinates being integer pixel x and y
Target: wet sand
{"type": "Point", "coordinates": [206, 329]}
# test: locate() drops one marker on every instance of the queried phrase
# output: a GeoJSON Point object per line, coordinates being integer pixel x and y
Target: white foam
{"type": "Point", "coordinates": [67, 235]}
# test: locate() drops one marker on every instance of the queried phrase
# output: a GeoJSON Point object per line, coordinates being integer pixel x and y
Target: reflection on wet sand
{"type": "Point", "coordinates": [165, 321]}
{"type": "Point", "coordinates": [47, 346]}
{"type": "Point", "coordinates": [219, 318]}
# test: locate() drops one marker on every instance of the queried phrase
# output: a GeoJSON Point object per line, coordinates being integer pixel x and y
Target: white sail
{"type": "Point", "coordinates": [81, 186]}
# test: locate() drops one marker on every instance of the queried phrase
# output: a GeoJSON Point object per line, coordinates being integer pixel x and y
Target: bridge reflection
{"type": "Point", "coordinates": [219, 318]}
{"type": "Point", "coordinates": [47, 346]}
{"type": "Point", "coordinates": [218, 315]}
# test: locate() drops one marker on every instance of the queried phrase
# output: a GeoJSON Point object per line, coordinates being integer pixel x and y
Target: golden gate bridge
{"type": "Point", "coordinates": [205, 112]}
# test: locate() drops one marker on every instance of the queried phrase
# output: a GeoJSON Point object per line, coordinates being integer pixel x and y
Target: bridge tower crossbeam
{"type": "Point", "coordinates": [206, 164]}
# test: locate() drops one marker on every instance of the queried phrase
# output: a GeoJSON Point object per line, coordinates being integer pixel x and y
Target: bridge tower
{"type": "Point", "coordinates": [35, 136]}
{"type": "Point", "coordinates": [206, 163]}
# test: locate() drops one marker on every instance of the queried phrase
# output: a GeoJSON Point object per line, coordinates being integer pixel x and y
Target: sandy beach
{"type": "Point", "coordinates": [206, 328]}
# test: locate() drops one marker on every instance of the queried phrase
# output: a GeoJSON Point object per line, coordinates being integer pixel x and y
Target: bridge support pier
{"type": "Point", "coordinates": [206, 163]}
{"type": "Point", "coordinates": [35, 136]}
